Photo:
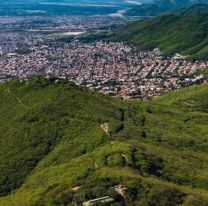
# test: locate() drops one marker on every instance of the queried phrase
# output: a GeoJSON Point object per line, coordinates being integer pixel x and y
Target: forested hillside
{"type": "Point", "coordinates": [185, 34]}
{"type": "Point", "coordinates": [193, 10]}
{"type": "Point", "coordinates": [62, 144]}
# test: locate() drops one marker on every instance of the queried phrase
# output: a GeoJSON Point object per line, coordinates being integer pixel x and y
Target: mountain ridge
{"type": "Point", "coordinates": [184, 33]}
{"type": "Point", "coordinates": [64, 124]}
{"type": "Point", "coordinates": [161, 6]}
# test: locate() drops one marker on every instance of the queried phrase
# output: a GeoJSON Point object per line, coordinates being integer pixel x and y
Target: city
{"type": "Point", "coordinates": [33, 47]}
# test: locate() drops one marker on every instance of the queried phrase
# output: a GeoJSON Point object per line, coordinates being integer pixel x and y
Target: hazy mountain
{"type": "Point", "coordinates": [171, 4]}
{"type": "Point", "coordinates": [51, 8]}
{"type": "Point", "coordinates": [136, 7]}
{"type": "Point", "coordinates": [86, 2]}
{"type": "Point", "coordinates": [195, 9]}
{"type": "Point", "coordinates": [164, 3]}
{"type": "Point", "coordinates": [160, 6]}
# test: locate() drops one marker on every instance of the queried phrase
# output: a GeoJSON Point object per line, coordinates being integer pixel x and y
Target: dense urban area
{"type": "Point", "coordinates": [32, 46]}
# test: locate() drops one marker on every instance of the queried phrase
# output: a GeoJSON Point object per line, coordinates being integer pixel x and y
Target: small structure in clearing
{"type": "Point", "coordinates": [105, 127]}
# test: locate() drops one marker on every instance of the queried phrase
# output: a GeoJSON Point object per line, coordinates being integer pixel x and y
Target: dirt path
{"type": "Point", "coordinates": [105, 127]}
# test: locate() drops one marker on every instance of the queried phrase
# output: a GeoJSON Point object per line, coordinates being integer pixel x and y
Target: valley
{"type": "Point", "coordinates": [104, 103]}
{"type": "Point", "coordinates": [80, 49]}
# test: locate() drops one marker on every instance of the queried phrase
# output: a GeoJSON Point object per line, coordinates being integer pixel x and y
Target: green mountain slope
{"type": "Point", "coordinates": [172, 33]}
{"type": "Point", "coordinates": [61, 144]}
{"type": "Point", "coordinates": [192, 98]}
{"type": "Point", "coordinates": [178, 3]}
{"type": "Point", "coordinates": [193, 10]}
{"type": "Point", "coordinates": [160, 6]}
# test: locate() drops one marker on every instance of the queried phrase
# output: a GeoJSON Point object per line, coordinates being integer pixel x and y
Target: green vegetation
{"type": "Point", "coordinates": [192, 10]}
{"type": "Point", "coordinates": [172, 33]}
{"type": "Point", "coordinates": [60, 143]}
{"type": "Point", "coordinates": [23, 50]}
{"type": "Point", "coordinates": [89, 38]}
{"type": "Point", "coordinates": [205, 73]}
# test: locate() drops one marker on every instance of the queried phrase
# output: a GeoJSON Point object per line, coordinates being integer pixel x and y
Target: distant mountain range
{"type": "Point", "coordinates": [51, 9]}
{"type": "Point", "coordinates": [160, 3]}
{"type": "Point", "coordinates": [184, 31]}
{"type": "Point", "coordinates": [159, 6]}
{"type": "Point", "coordinates": [195, 9]}
{"type": "Point", "coordinates": [85, 2]}
{"type": "Point", "coordinates": [135, 7]}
